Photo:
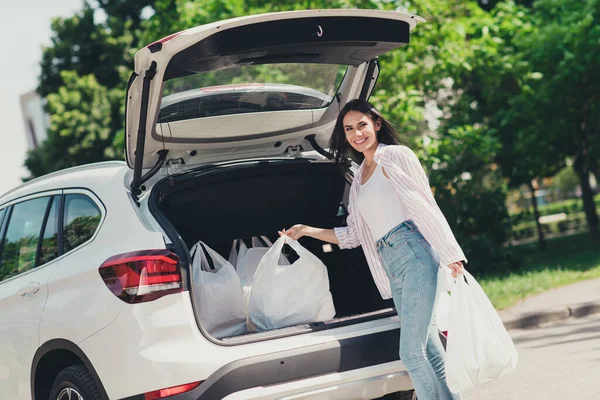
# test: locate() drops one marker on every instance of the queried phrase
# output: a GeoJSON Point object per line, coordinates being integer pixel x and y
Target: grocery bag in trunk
{"type": "Point", "coordinates": [286, 295]}
{"type": "Point", "coordinates": [218, 293]}
{"type": "Point", "coordinates": [245, 260]}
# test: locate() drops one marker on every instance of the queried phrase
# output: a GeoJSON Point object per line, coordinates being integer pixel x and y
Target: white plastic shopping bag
{"type": "Point", "coordinates": [239, 248]}
{"type": "Point", "coordinates": [479, 349]}
{"type": "Point", "coordinates": [245, 260]}
{"type": "Point", "coordinates": [286, 295]}
{"type": "Point", "coordinates": [442, 310]}
{"type": "Point", "coordinates": [218, 293]}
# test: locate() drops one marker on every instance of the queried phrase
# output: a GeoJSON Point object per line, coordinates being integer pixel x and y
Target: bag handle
{"type": "Point", "coordinates": [269, 259]}
{"type": "Point", "coordinates": [263, 240]}
{"type": "Point", "coordinates": [209, 260]}
{"type": "Point", "coordinates": [300, 250]}
{"type": "Point", "coordinates": [205, 256]}
{"type": "Point", "coordinates": [237, 243]}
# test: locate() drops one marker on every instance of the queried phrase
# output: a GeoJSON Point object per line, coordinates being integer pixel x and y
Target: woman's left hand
{"type": "Point", "coordinates": [457, 268]}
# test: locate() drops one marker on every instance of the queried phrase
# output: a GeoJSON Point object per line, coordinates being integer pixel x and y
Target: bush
{"type": "Point", "coordinates": [572, 206]}
{"type": "Point", "coordinates": [574, 221]}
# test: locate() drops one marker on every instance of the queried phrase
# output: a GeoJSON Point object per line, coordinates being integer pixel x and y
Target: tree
{"type": "Point", "coordinates": [565, 53]}
{"type": "Point", "coordinates": [100, 54]}
{"type": "Point", "coordinates": [446, 66]}
{"type": "Point", "coordinates": [492, 89]}
{"type": "Point", "coordinates": [566, 181]}
{"type": "Point", "coordinates": [470, 190]}
{"type": "Point", "coordinates": [80, 125]}
{"type": "Point", "coordinates": [451, 63]}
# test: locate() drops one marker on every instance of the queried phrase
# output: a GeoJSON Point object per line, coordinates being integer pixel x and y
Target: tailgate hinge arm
{"type": "Point", "coordinates": [162, 154]}
{"type": "Point", "coordinates": [141, 139]}
{"type": "Point", "coordinates": [311, 139]}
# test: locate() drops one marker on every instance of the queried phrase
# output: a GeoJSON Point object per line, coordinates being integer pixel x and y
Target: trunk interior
{"type": "Point", "coordinates": [221, 203]}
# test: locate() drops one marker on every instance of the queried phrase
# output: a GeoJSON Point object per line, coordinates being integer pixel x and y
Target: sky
{"type": "Point", "coordinates": [25, 28]}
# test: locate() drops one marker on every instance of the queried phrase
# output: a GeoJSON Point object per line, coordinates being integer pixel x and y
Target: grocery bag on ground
{"type": "Point", "coordinates": [218, 293]}
{"type": "Point", "coordinates": [246, 260]}
{"type": "Point", "coordinates": [479, 349]}
{"type": "Point", "coordinates": [286, 295]}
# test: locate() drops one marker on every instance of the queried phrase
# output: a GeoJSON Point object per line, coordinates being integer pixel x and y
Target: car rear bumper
{"type": "Point", "coordinates": [361, 367]}
{"type": "Point", "coordinates": [364, 383]}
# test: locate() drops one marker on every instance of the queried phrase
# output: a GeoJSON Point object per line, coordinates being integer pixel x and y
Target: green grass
{"type": "Point", "coordinates": [566, 260]}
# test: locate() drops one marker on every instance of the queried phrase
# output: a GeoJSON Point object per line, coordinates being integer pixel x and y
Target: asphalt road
{"type": "Point", "coordinates": [559, 361]}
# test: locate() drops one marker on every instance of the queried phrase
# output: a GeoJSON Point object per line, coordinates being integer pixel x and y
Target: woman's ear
{"type": "Point", "coordinates": [378, 125]}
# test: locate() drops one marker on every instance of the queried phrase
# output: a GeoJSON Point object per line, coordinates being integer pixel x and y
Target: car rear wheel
{"type": "Point", "coordinates": [75, 383]}
{"type": "Point", "coordinates": [405, 395]}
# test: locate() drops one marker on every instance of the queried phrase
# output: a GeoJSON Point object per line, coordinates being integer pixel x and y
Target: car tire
{"type": "Point", "coordinates": [407, 395]}
{"type": "Point", "coordinates": [75, 383]}
{"type": "Point", "coordinates": [404, 395]}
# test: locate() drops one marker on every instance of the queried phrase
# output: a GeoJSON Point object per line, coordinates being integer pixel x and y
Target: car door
{"type": "Point", "coordinates": [28, 250]}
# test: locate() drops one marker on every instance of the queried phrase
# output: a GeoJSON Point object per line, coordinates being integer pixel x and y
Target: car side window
{"type": "Point", "coordinates": [22, 237]}
{"type": "Point", "coordinates": [2, 213]}
{"type": "Point", "coordinates": [49, 247]}
{"type": "Point", "coordinates": [81, 218]}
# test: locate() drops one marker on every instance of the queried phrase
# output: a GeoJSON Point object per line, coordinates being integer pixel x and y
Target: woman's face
{"type": "Point", "coordinates": [361, 131]}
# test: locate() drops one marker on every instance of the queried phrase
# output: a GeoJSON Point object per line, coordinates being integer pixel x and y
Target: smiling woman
{"type": "Point", "coordinates": [405, 237]}
{"type": "Point", "coordinates": [364, 128]}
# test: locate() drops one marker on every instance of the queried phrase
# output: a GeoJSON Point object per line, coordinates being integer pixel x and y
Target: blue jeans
{"type": "Point", "coordinates": [412, 266]}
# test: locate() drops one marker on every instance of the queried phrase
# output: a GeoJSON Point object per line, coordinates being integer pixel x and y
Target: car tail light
{"type": "Point", "coordinates": [162, 393]}
{"type": "Point", "coordinates": [142, 275]}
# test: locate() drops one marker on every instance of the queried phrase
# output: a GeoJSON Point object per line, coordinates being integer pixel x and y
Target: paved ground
{"type": "Point", "coordinates": [579, 299]}
{"type": "Point", "coordinates": [559, 360]}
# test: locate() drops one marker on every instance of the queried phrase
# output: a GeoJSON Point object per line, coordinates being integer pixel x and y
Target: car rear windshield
{"type": "Point", "coordinates": [249, 89]}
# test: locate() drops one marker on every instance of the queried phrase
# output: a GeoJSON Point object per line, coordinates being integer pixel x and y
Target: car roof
{"type": "Point", "coordinates": [91, 176]}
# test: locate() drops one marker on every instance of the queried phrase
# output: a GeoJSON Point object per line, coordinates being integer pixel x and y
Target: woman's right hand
{"type": "Point", "coordinates": [295, 232]}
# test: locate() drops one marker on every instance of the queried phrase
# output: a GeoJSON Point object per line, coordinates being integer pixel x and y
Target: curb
{"type": "Point", "coordinates": [534, 319]}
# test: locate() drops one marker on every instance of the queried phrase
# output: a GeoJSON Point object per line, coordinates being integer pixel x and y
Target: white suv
{"type": "Point", "coordinates": [226, 126]}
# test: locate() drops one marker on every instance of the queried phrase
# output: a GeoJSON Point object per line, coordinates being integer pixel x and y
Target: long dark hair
{"type": "Point", "coordinates": [338, 143]}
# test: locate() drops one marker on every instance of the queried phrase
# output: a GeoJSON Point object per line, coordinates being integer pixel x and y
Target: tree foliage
{"type": "Point", "coordinates": [491, 95]}
{"type": "Point", "coordinates": [565, 53]}
{"type": "Point", "coordinates": [80, 125]}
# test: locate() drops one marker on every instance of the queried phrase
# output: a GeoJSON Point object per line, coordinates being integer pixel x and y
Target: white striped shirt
{"type": "Point", "coordinates": [410, 181]}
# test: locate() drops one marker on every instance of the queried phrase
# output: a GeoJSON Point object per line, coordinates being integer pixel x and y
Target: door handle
{"type": "Point", "coordinates": [29, 289]}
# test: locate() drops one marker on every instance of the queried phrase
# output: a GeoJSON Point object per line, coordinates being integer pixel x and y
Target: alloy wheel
{"type": "Point", "coordinates": [69, 394]}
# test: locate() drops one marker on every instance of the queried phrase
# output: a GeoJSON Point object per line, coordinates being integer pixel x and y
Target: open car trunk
{"type": "Point", "coordinates": [218, 204]}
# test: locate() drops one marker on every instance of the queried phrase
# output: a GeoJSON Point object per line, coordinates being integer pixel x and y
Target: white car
{"type": "Point", "coordinates": [95, 276]}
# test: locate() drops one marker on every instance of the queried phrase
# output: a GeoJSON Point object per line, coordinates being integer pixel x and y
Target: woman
{"type": "Point", "coordinates": [405, 236]}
